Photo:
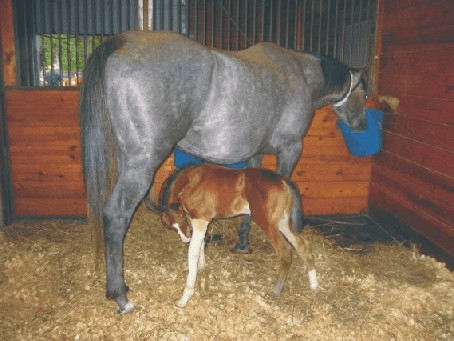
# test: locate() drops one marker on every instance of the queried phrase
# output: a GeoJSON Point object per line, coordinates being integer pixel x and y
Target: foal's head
{"type": "Point", "coordinates": [175, 218]}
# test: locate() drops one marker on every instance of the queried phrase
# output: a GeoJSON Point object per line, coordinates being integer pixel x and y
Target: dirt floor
{"type": "Point", "coordinates": [49, 289]}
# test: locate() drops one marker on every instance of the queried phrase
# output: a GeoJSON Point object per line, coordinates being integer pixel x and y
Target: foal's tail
{"type": "Point", "coordinates": [98, 150]}
{"type": "Point", "coordinates": [297, 211]}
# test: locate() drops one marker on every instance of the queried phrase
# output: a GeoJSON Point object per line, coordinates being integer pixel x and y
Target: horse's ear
{"type": "Point", "coordinates": [357, 75]}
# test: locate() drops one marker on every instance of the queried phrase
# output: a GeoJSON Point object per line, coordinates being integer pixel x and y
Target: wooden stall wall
{"type": "Point", "coordinates": [44, 150]}
{"type": "Point", "coordinates": [412, 180]}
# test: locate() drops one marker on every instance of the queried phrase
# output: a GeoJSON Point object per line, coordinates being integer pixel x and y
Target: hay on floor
{"type": "Point", "coordinates": [49, 289]}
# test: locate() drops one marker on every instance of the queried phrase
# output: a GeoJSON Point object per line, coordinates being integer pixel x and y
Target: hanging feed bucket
{"type": "Point", "coordinates": [182, 160]}
{"type": "Point", "coordinates": [367, 142]}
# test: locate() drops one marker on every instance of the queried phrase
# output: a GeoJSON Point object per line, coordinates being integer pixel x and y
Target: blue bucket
{"type": "Point", "coordinates": [182, 160]}
{"type": "Point", "coordinates": [367, 142]}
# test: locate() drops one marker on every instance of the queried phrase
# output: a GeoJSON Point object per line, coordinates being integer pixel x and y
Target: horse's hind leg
{"type": "Point", "coordinates": [129, 190]}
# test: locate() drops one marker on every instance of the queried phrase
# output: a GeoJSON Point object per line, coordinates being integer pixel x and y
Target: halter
{"type": "Point", "coordinates": [344, 99]}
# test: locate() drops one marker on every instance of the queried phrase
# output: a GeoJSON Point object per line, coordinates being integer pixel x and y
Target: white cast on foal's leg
{"type": "Point", "coordinates": [197, 240]}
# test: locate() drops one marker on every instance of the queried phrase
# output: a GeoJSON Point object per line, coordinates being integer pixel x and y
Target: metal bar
{"type": "Point", "coordinates": [221, 24]}
{"type": "Point", "coordinates": [303, 31]}
{"type": "Point", "coordinates": [204, 22]}
{"type": "Point", "coordinates": [237, 25]}
{"type": "Point", "coordinates": [76, 37]}
{"type": "Point", "coordinates": [213, 23]}
{"type": "Point", "coordinates": [351, 32]}
{"type": "Point", "coordinates": [246, 21]}
{"type": "Point", "coordinates": [336, 23]}
{"type": "Point", "coordinates": [68, 41]}
{"type": "Point", "coordinates": [327, 28]}
{"type": "Point", "coordinates": [342, 54]}
{"type": "Point", "coordinates": [311, 40]}
{"type": "Point", "coordinates": [278, 23]}
{"type": "Point", "coordinates": [359, 32]}
{"type": "Point", "coordinates": [196, 20]}
{"type": "Point", "coordinates": [287, 22]}
{"type": "Point", "coordinates": [262, 22]}
{"type": "Point", "coordinates": [43, 64]}
{"type": "Point", "coordinates": [229, 27]}
{"type": "Point", "coordinates": [366, 49]}
{"type": "Point", "coordinates": [271, 21]}
{"type": "Point", "coordinates": [295, 26]}
{"type": "Point", "coordinates": [254, 22]}
{"type": "Point", "coordinates": [319, 47]}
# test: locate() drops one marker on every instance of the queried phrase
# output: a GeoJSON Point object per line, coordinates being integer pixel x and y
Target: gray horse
{"type": "Point", "coordinates": [146, 92]}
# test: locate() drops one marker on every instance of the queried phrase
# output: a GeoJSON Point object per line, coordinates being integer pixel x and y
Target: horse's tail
{"type": "Point", "coordinates": [98, 147]}
{"type": "Point", "coordinates": [297, 221]}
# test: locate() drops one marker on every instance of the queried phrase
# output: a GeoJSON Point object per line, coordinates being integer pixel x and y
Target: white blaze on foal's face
{"type": "Point", "coordinates": [183, 237]}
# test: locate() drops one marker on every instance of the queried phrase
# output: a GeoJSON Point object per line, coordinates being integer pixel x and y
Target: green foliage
{"type": "Point", "coordinates": [68, 51]}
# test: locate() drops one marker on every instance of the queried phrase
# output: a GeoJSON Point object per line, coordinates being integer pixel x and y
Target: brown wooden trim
{"type": "Point", "coordinates": [8, 42]}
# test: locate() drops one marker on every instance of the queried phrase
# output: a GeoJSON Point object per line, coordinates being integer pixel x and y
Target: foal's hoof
{"type": "Point", "coordinates": [241, 249]}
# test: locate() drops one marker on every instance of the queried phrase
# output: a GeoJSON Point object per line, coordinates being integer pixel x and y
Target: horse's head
{"type": "Point", "coordinates": [351, 107]}
{"type": "Point", "coordinates": [175, 218]}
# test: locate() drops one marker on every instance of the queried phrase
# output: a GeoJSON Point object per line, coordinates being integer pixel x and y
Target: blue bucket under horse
{"type": "Point", "coordinates": [367, 142]}
{"type": "Point", "coordinates": [181, 160]}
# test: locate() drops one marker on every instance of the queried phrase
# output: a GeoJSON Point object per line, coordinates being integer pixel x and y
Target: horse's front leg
{"type": "Point", "coordinates": [287, 159]}
{"type": "Point", "coordinates": [199, 227]}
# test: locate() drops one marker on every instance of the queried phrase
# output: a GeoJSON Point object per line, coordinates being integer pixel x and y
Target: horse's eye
{"type": "Point", "coordinates": [174, 206]}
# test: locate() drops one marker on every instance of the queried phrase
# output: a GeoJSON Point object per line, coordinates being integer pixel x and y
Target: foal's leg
{"type": "Point", "coordinates": [199, 228]}
{"type": "Point", "coordinates": [304, 251]}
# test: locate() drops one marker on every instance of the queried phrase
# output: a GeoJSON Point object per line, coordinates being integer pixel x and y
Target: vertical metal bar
{"type": "Point", "coordinates": [51, 39]}
{"type": "Point", "coordinates": [177, 16]}
{"type": "Point", "coordinates": [327, 27]}
{"type": "Point", "coordinates": [287, 22]}
{"type": "Point", "coordinates": [43, 26]}
{"type": "Point", "coordinates": [278, 23]}
{"type": "Point", "coordinates": [342, 48]}
{"type": "Point", "coordinates": [238, 25]}
{"type": "Point", "coordinates": [229, 26]}
{"type": "Point", "coordinates": [196, 20]}
{"type": "Point", "coordinates": [366, 49]}
{"type": "Point", "coordinates": [295, 26]}
{"type": "Point", "coordinates": [319, 47]}
{"type": "Point", "coordinates": [246, 22]}
{"type": "Point", "coordinates": [336, 23]}
{"type": "Point", "coordinates": [204, 22]}
{"type": "Point", "coordinates": [68, 41]}
{"type": "Point", "coordinates": [94, 10]}
{"type": "Point", "coordinates": [221, 23]}
{"type": "Point", "coordinates": [262, 23]}
{"type": "Point", "coordinates": [76, 37]}
{"type": "Point", "coordinates": [352, 13]}
{"type": "Point", "coordinates": [303, 31]}
{"type": "Point", "coordinates": [271, 16]}
{"type": "Point", "coordinates": [254, 21]}
{"type": "Point", "coordinates": [359, 33]}
{"type": "Point", "coordinates": [311, 42]}
{"type": "Point", "coordinates": [213, 23]}
{"type": "Point", "coordinates": [103, 11]}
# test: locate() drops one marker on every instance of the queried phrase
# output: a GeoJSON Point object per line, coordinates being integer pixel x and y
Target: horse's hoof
{"type": "Point", "coordinates": [243, 250]}
{"type": "Point", "coordinates": [127, 309]}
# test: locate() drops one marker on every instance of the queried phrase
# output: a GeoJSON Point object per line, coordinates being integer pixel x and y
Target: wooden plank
{"type": "Point", "coordinates": [441, 185]}
{"type": "Point", "coordinates": [42, 98]}
{"type": "Point", "coordinates": [396, 82]}
{"type": "Point", "coordinates": [47, 172]}
{"type": "Point", "coordinates": [44, 136]}
{"type": "Point", "coordinates": [395, 206]}
{"type": "Point", "coordinates": [333, 189]}
{"type": "Point", "coordinates": [422, 154]}
{"type": "Point", "coordinates": [8, 42]}
{"type": "Point", "coordinates": [426, 108]}
{"type": "Point", "coordinates": [37, 154]}
{"type": "Point", "coordinates": [43, 117]}
{"type": "Point", "coordinates": [331, 206]}
{"type": "Point", "coordinates": [419, 35]}
{"type": "Point", "coordinates": [418, 196]}
{"type": "Point", "coordinates": [430, 59]}
{"type": "Point", "coordinates": [50, 207]}
{"type": "Point", "coordinates": [48, 189]}
{"type": "Point", "coordinates": [426, 14]}
{"type": "Point", "coordinates": [434, 134]}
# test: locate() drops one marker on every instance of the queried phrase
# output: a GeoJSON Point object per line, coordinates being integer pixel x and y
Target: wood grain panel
{"type": "Point", "coordinates": [8, 42]}
{"type": "Point", "coordinates": [426, 108]}
{"type": "Point", "coordinates": [50, 207]}
{"type": "Point", "coordinates": [33, 155]}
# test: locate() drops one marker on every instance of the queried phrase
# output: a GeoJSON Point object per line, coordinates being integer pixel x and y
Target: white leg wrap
{"type": "Point", "coordinates": [313, 279]}
{"type": "Point", "coordinates": [201, 264]}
